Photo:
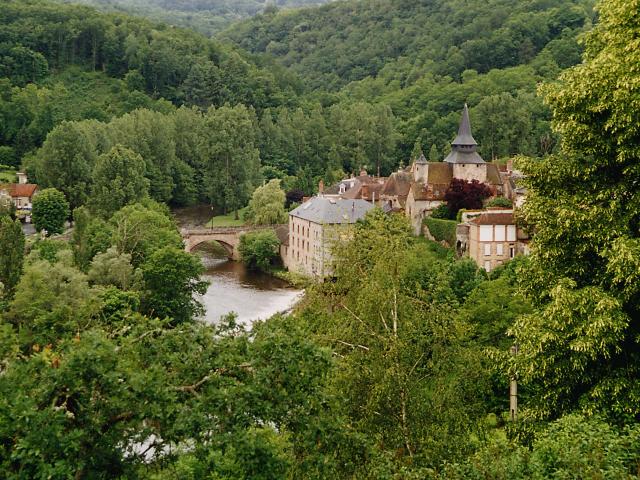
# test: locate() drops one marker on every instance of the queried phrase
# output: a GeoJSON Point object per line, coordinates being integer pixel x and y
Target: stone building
{"type": "Point", "coordinates": [431, 179]}
{"type": "Point", "coordinates": [490, 237]}
{"type": "Point", "coordinates": [315, 227]}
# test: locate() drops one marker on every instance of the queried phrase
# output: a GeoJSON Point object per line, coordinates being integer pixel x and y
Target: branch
{"type": "Point", "coordinates": [352, 345]}
{"type": "Point", "coordinates": [211, 374]}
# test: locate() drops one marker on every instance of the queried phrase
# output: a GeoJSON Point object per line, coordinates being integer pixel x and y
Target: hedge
{"type": "Point", "coordinates": [442, 229]}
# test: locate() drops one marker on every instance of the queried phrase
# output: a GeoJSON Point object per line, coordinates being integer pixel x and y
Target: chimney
{"type": "Point", "coordinates": [22, 178]}
{"type": "Point", "coordinates": [320, 187]}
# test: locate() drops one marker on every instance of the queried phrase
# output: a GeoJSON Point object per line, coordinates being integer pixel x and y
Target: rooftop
{"type": "Point", "coordinates": [325, 210]}
{"type": "Point", "coordinates": [19, 189]}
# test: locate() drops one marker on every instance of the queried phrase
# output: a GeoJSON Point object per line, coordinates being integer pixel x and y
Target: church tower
{"type": "Point", "coordinates": [467, 163]}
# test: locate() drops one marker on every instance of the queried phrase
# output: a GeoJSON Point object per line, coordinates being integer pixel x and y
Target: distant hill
{"type": "Point", "coordinates": [206, 16]}
{"type": "Point", "coordinates": [350, 40]}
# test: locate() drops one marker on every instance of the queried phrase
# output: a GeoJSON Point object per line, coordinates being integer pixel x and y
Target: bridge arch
{"type": "Point", "coordinates": [196, 243]}
{"type": "Point", "coordinates": [228, 237]}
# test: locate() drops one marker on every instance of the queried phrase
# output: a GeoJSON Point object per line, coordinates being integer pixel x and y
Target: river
{"type": "Point", "coordinates": [232, 288]}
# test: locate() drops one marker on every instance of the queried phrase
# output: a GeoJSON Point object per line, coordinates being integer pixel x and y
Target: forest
{"type": "Point", "coordinates": [399, 366]}
{"type": "Point", "coordinates": [205, 16]}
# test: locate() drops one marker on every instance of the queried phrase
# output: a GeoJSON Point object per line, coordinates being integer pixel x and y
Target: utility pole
{"type": "Point", "coordinates": [513, 389]}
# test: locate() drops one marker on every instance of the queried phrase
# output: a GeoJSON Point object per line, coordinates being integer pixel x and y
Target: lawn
{"type": "Point", "coordinates": [227, 220]}
{"type": "Point", "coordinates": [7, 176]}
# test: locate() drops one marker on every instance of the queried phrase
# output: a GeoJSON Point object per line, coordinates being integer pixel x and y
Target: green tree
{"type": "Point", "coordinates": [112, 268]}
{"type": "Point", "coordinates": [579, 348]}
{"type": "Point", "coordinates": [259, 249]}
{"type": "Point", "coordinates": [50, 211]}
{"type": "Point", "coordinates": [11, 254]}
{"type": "Point", "coordinates": [171, 281]}
{"type": "Point", "coordinates": [118, 180]}
{"type": "Point", "coordinates": [233, 161]}
{"type": "Point", "coordinates": [267, 204]}
{"type": "Point", "coordinates": [65, 162]}
{"type": "Point", "coordinates": [402, 369]}
{"type": "Point", "coordinates": [51, 300]}
{"type": "Point", "coordinates": [139, 230]}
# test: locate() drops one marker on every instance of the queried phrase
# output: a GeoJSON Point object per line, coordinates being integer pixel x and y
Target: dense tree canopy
{"type": "Point", "coordinates": [580, 347]}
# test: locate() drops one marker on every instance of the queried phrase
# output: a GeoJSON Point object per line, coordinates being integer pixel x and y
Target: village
{"type": "Point", "coordinates": [489, 235]}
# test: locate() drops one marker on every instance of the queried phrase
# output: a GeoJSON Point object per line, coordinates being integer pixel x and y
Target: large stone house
{"type": "Point", "coordinates": [430, 180]}
{"type": "Point", "coordinates": [490, 237]}
{"type": "Point", "coordinates": [315, 227]}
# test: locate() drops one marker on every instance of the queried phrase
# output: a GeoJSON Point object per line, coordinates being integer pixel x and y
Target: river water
{"type": "Point", "coordinates": [251, 295]}
{"type": "Point", "coordinates": [232, 288]}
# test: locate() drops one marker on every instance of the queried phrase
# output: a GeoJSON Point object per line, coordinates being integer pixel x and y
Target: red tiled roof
{"type": "Point", "coordinates": [20, 189]}
{"type": "Point", "coordinates": [488, 218]}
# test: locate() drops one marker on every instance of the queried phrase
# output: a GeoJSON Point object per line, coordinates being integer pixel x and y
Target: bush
{"type": "Point", "coordinates": [442, 212]}
{"type": "Point", "coordinates": [442, 230]}
{"type": "Point", "coordinates": [572, 447]}
{"type": "Point", "coordinates": [259, 250]}
{"type": "Point", "coordinates": [499, 202]}
{"type": "Point", "coordinates": [50, 211]}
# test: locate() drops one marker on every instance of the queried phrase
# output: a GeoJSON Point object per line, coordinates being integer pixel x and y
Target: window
{"type": "Point", "coordinates": [486, 233]}
{"type": "Point", "coordinates": [512, 251]}
{"type": "Point", "coordinates": [499, 249]}
{"type": "Point", "coordinates": [487, 249]}
{"type": "Point", "coordinates": [500, 233]}
{"type": "Point", "coordinates": [511, 233]}
{"type": "Point", "coordinates": [487, 266]}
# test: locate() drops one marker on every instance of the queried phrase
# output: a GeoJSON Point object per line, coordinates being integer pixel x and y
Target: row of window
{"type": "Point", "coordinates": [497, 233]}
{"type": "Point", "coordinates": [499, 250]}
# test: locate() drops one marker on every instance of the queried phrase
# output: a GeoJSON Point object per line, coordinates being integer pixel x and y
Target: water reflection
{"type": "Point", "coordinates": [252, 295]}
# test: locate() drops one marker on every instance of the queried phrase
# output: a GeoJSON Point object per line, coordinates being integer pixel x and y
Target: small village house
{"type": "Point", "coordinates": [21, 194]}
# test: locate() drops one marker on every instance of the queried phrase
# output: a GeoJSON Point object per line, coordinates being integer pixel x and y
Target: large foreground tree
{"type": "Point", "coordinates": [580, 348]}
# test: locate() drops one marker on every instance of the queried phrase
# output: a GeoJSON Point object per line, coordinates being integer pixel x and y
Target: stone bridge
{"type": "Point", "coordinates": [228, 237]}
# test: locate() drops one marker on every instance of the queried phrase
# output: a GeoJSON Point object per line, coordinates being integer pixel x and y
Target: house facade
{"type": "Point", "coordinates": [490, 237]}
{"type": "Point", "coordinates": [20, 194]}
{"type": "Point", "coordinates": [316, 227]}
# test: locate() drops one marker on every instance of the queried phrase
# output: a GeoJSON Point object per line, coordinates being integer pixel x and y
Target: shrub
{"type": "Point", "coordinates": [499, 202]}
{"type": "Point", "coordinates": [442, 212]}
{"type": "Point", "coordinates": [442, 230]}
{"type": "Point", "coordinates": [259, 250]}
{"type": "Point", "coordinates": [50, 211]}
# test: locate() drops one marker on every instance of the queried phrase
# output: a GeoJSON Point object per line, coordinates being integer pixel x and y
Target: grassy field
{"type": "Point", "coordinates": [7, 176]}
{"type": "Point", "coordinates": [227, 220]}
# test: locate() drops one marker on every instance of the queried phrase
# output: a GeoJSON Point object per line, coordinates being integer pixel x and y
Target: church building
{"type": "Point", "coordinates": [430, 180]}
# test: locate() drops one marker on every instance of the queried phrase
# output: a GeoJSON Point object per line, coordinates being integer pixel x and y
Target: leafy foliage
{"type": "Point", "coordinates": [580, 345]}
{"type": "Point", "coordinates": [259, 249]}
{"type": "Point", "coordinates": [50, 211]}
{"type": "Point", "coordinates": [11, 254]}
{"type": "Point", "coordinates": [465, 194]}
{"type": "Point", "coordinates": [267, 205]}
{"type": "Point", "coordinates": [442, 230]}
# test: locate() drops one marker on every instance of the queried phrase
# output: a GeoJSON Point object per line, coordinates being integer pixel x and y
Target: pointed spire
{"type": "Point", "coordinates": [464, 138]}
{"type": "Point", "coordinates": [421, 158]}
{"type": "Point", "coordinates": [463, 148]}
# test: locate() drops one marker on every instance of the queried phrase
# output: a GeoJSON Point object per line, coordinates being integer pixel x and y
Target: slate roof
{"type": "Point", "coordinates": [464, 137]}
{"type": "Point", "coordinates": [325, 210]}
{"type": "Point", "coordinates": [463, 147]}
